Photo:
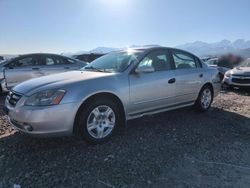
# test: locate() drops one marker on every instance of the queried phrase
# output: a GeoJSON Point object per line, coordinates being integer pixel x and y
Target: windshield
{"type": "Point", "coordinates": [245, 63]}
{"type": "Point", "coordinates": [113, 62]}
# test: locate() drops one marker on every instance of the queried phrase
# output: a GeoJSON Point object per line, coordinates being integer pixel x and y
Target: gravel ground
{"type": "Point", "coordinates": [181, 148]}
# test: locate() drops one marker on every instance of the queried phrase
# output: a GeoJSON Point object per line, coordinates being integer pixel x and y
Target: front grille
{"type": "Point", "coordinates": [13, 98]}
{"type": "Point", "coordinates": [241, 80]}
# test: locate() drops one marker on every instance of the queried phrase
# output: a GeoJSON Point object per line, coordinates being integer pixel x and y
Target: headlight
{"type": "Point", "coordinates": [228, 74]}
{"type": "Point", "coordinates": [45, 98]}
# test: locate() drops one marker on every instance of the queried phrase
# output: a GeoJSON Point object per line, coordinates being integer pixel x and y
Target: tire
{"type": "Point", "coordinates": [205, 98]}
{"type": "Point", "coordinates": [95, 120]}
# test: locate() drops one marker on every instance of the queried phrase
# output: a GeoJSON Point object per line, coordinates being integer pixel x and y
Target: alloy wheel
{"type": "Point", "coordinates": [101, 122]}
{"type": "Point", "coordinates": [206, 98]}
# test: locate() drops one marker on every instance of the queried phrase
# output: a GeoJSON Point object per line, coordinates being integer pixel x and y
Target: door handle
{"type": "Point", "coordinates": [201, 75]}
{"type": "Point", "coordinates": [171, 81]}
{"type": "Point", "coordinates": [66, 67]}
{"type": "Point", "coordinates": [35, 68]}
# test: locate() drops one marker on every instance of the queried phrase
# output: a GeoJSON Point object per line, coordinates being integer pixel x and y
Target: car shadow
{"type": "Point", "coordinates": [140, 156]}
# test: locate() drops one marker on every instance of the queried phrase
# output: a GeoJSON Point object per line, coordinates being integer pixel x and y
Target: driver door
{"type": "Point", "coordinates": [152, 90]}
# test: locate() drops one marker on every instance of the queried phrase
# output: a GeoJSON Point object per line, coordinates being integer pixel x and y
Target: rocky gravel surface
{"type": "Point", "coordinates": [181, 148]}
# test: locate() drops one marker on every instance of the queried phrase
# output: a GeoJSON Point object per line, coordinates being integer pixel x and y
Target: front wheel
{"type": "Point", "coordinates": [98, 120]}
{"type": "Point", "coordinates": [205, 98]}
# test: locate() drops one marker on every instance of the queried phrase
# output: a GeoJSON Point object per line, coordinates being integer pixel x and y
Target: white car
{"type": "Point", "coordinates": [239, 76]}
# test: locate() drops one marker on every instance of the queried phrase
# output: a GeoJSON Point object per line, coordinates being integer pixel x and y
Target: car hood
{"type": "Point", "coordinates": [241, 70]}
{"type": "Point", "coordinates": [57, 81]}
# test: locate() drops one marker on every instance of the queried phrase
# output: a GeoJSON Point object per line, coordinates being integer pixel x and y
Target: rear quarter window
{"type": "Point", "coordinates": [184, 60]}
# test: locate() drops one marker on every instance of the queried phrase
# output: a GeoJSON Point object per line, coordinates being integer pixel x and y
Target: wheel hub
{"type": "Point", "coordinates": [101, 122]}
{"type": "Point", "coordinates": [206, 98]}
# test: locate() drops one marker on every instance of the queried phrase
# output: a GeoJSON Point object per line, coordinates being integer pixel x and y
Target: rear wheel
{"type": "Point", "coordinates": [205, 98]}
{"type": "Point", "coordinates": [98, 120]}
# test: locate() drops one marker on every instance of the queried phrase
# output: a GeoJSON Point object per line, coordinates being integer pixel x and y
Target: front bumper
{"type": "Point", "coordinates": [56, 120]}
{"type": "Point", "coordinates": [237, 81]}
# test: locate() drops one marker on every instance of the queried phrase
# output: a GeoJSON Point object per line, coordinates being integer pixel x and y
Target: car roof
{"type": "Point", "coordinates": [148, 49]}
{"type": "Point", "coordinates": [35, 54]}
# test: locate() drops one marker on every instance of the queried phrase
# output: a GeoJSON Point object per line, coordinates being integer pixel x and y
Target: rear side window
{"type": "Point", "coordinates": [55, 60]}
{"type": "Point", "coordinates": [49, 61]}
{"type": "Point", "coordinates": [184, 60]}
{"type": "Point", "coordinates": [69, 61]}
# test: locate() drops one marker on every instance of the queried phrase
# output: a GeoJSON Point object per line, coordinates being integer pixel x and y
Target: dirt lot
{"type": "Point", "coordinates": [181, 148]}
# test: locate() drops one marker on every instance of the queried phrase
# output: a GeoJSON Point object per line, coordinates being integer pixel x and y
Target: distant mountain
{"type": "Point", "coordinates": [240, 47]}
{"type": "Point", "coordinates": [102, 50]}
{"type": "Point", "coordinates": [225, 46]}
{"type": "Point", "coordinates": [105, 50]}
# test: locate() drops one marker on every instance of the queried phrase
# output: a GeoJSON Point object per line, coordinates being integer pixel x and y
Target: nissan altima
{"type": "Point", "coordinates": [93, 102]}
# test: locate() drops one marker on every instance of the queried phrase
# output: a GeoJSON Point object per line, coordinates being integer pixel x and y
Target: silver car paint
{"type": "Point", "coordinates": [12, 77]}
{"type": "Point", "coordinates": [142, 94]}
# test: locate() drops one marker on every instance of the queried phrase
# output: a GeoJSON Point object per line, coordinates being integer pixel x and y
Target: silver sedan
{"type": "Point", "coordinates": [96, 100]}
{"type": "Point", "coordinates": [25, 67]}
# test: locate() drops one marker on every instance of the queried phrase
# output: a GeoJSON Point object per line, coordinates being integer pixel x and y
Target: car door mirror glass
{"type": "Point", "coordinates": [144, 69]}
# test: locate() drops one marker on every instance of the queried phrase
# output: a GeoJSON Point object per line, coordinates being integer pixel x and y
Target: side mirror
{"type": "Point", "coordinates": [144, 69]}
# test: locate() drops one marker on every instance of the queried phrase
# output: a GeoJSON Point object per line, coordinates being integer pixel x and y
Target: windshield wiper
{"type": "Point", "coordinates": [94, 68]}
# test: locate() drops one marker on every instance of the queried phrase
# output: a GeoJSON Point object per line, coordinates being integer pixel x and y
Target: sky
{"type": "Point", "coordinates": [57, 26]}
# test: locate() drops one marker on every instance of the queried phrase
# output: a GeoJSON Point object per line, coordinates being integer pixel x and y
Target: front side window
{"type": "Point", "coordinates": [27, 61]}
{"type": "Point", "coordinates": [113, 62]}
{"type": "Point", "coordinates": [158, 60]}
{"type": "Point", "coordinates": [183, 60]}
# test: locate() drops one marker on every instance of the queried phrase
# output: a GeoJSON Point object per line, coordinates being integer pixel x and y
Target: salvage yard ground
{"type": "Point", "coordinates": [173, 149]}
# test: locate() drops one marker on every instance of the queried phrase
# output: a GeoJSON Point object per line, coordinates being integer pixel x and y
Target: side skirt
{"type": "Point", "coordinates": [158, 110]}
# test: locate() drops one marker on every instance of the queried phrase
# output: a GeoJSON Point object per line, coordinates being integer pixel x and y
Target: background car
{"type": "Point", "coordinates": [212, 61]}
{"type": "Point", "coordinates": [88, 57]}
{"type": "Point", "coordinates": [222, 68]}
{"type": "Point", "coordinates": [238, 76]}
{"type": "Point", "coordinates": [96, 100]}
{"type": "Point", "coordinates": [24, 67]}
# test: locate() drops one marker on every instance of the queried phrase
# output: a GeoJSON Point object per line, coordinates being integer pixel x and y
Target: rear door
{"type": "Point", "coordinates": [21, 69]}
{"type": "Point", "coordinates": [189, 76]}
{"type": "Point", "coordinates": [151, 91]}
